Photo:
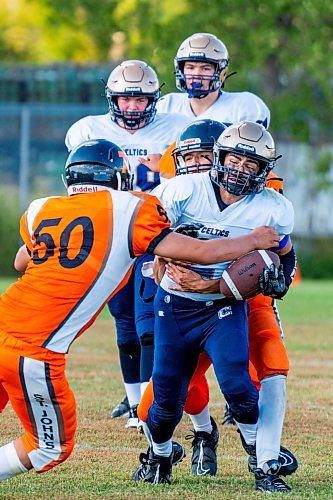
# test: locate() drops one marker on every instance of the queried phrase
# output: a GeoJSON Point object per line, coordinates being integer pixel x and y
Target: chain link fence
{"type": "Point", "coordinates": [33, 154]}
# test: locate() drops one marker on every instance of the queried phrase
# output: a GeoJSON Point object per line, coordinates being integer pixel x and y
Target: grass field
{"type": "Point", "coordinates": [105, 454]}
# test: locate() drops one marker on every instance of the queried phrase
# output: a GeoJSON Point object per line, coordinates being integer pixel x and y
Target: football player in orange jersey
{"type": "Point", "coordinates": [78, 252]}
{"type": "Point", "coordinates": [132, 91]}
{"type": "Point", "coordinates": [194, 153]}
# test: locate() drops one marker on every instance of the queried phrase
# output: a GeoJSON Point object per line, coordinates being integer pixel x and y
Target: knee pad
{"type": "Point", "coordinates": [147, 339]}
{"type": "Point", "coordinates": [130, 349]}
{"type": "Point", "coordinates": [162, 421]}
{"type": "Point", "coordinates": [244, 407]}
{"type": "Point", "coordinates": [272, 358]}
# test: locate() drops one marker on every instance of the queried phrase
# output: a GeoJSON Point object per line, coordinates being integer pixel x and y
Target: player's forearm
{"type": "Point", "coordinates": [222, 250]}
{"type": "Point", "coordinates": [181, 247]}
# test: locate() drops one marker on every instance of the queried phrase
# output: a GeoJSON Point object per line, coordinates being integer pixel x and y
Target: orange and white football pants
{"type": "Point", "coordinates": [33, 378]}
{"type": "Point", "coordinates": [268, 357]}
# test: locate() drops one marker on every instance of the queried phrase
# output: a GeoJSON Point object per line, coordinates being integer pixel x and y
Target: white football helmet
{"type": "Point", "coordinates": [248, 139]}
{"type": "Point", "coordinates": [202, 47]}
{"type": "Point", "coordinates": [133, 78]}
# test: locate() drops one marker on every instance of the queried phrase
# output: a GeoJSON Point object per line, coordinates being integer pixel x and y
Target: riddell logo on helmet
{"type": "Point", "coordinates": [84, 189]}
{"type": "Point", "coordinates": [246, 147]}
{"type": "Point", "coordinates": [133, 89]}
{"type": "Point", "coordinates": [186, 142]}
{"type": "Point", "coordinates": [197, 54]}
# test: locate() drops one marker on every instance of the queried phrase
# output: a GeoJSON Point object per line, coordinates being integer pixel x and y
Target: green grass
{"type": "Point", "coordinates": [106, 454]}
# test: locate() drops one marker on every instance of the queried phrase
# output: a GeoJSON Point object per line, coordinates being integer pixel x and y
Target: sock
{"type": "Point", "coordinates": [272, 400]}
{"type": "Point", "coordinates": [201, 421]}
{"type": "Point", "coordinates": [143, 386]}
{"type": "Point", "coordinates": [147, 433]}
{"type": "Point", "coordinates": [133, 393]}
{"type": "Point", "coordinates": [10, 464]}
{"type": "Point", "coordinates": [163, 449]}
{"type": "Point", "coordinates": [249, 432]}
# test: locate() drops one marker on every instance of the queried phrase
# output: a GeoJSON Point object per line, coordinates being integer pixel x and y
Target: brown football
{"type": "Point", "coordinates": [241, 278]}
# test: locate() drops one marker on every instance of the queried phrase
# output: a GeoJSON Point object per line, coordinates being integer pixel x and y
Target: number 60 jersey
{"type": "Point", "coordinates": [82, 249]}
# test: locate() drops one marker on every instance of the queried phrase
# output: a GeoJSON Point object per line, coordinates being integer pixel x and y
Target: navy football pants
{"type": "Point", "coordinates": [183, 328]}
{"type": "Point", "coordinates": [134, 318]}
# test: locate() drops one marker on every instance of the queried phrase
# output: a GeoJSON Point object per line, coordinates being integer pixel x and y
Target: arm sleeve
{"type": "Point", "coordinates": [289, 262]}
{"type": "Point", "coordinates": [150, 226]}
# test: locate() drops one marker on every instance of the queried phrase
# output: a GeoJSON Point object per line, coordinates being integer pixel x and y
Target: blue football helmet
{"type": "Point", "coordinates": [200, 135]}
{"type": "Point", "coordinates": [98, 162]}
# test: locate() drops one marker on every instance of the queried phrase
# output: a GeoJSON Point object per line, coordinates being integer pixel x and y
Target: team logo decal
{"type": "Point", "coordinates": [225, 311]}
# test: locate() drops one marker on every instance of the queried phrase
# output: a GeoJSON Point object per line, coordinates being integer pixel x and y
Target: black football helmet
{"type": "Point", "coordinates": [98, 162]}
{"type": "Point", "coordinates": [248, 139]}
{"type": "Point", "coordinates": [200, 135]}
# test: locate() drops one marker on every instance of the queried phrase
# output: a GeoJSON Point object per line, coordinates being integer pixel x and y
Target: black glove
{"type": "Point", "coordinates": [273, 282]}
{"type": "Point", "coordinates": [191, 229]}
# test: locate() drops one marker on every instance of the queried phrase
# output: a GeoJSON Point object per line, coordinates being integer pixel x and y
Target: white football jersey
{"type": "Point", "coordinates": [153, 138]}
{"type": "Point", "coordinates": [191, 198]}
{"type": "Point", "coordinates": [230, 107]}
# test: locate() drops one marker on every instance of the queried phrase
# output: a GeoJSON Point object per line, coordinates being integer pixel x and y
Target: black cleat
{"type": "Point", "coordinates": [270, 481]}
{"type": "Point", "coordinates": [228, 419]}
{"type": "Point", "coordinates": [158, 469]}
{"type": "Point", "coordinates": [204, 459]}
{"type": "Point", "coordinates": [178, 453]}
{"type": "Point", "coordinates": [288, 461]}
{"type": "Point", "coordinates": [121, 410]}
{"type": "Point", "coordinates": [133, 419]}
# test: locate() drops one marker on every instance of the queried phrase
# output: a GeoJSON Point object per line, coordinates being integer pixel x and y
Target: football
{"type": "Point", "coordinates": [240, 280]}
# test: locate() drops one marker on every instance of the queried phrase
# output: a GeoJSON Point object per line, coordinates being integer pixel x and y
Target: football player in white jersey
{"type": "Point", "coordinates": [194, 153]}
{"type": "Point", "coordinates": [132, 91]}
{"type": "Point", "coordinates": [230, 199]}
{"type": "Point", "coordinates": [201, 66]}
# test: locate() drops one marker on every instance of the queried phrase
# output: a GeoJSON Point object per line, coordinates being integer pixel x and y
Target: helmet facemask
{"type": "Point", "coordinates": [132, 78]}
{"type": "Point", "coordinates": [201, 48]}
{"type": "Point", "coordinates": [131, 120]}
{"type": "Point", "coordinates": [216, 81]}
{"type": "Point", "coordinates": [98, 162]}
{"type": "Point", "coordinates": [180, 164]}
{"type": "Point", "coordinates": [252, 141]}
{"type": "Point", "coordinates": [235, 181]}
{"type": "Point", "coordinates": [198, 137]}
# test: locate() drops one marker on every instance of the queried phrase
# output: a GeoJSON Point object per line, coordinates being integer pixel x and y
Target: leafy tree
{"type": "Point", "coordinates": [280, 50]}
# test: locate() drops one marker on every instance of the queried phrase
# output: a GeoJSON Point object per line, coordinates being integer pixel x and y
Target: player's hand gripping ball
{"type": "Point", "coordinates": [241, 279]}
{"type": "Point", "coordinates": [273, 282]}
